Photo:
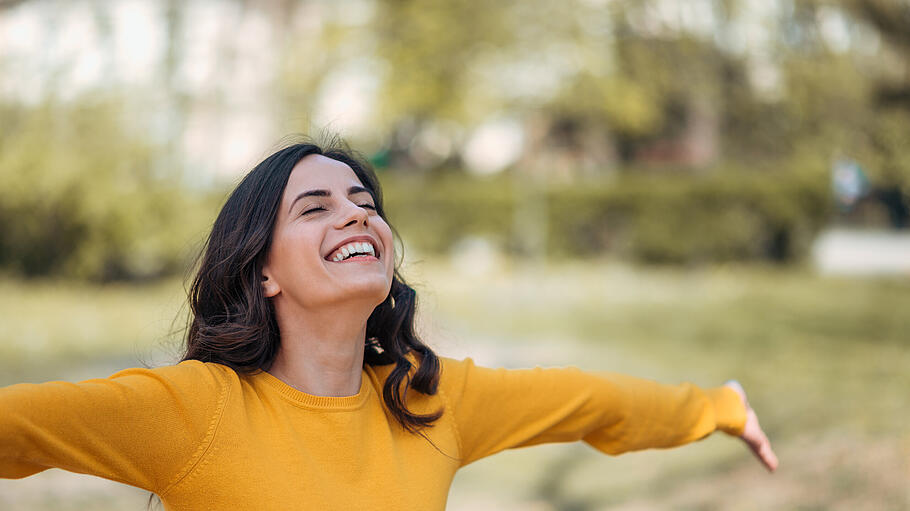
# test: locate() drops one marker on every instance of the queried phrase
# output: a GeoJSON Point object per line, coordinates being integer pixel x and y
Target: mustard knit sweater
{"type": "Point", "coordinates": [203, 437]}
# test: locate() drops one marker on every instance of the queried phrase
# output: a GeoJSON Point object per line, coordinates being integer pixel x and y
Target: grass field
{"type": "Point", "coordinates": [826, 363]}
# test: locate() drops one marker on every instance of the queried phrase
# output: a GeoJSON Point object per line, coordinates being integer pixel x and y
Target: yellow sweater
{"type": "Point", "coordinates": [203, 437]}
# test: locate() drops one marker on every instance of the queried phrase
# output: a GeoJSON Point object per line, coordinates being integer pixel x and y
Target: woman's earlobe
{"type": "Point", "coordinates": [269, 287]}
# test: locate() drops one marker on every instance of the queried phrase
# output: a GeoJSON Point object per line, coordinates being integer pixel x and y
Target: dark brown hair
{"type": "Point", "coordinates": [233, 323]}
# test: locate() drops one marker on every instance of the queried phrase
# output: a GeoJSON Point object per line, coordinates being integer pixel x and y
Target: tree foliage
{"type": "Point", "coordinates": [81, 196]}
{"type": "Point", "coordinates": [706, 91]}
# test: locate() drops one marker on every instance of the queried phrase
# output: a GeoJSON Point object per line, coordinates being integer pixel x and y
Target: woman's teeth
{"type": "Point", "coordinates": [352, 249]}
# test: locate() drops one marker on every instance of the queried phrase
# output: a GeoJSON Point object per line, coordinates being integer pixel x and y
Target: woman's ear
{"type": "Point", "coordinates": [270, 288]}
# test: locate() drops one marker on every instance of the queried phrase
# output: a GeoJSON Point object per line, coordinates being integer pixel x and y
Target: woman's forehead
{"type": "Point", "coordinates": [318, 171]}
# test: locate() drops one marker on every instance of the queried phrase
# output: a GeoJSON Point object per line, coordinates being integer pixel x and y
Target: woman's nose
{"type": "Point", "coordinates": [353, 214]}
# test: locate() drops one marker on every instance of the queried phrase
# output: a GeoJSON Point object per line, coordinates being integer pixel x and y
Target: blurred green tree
{"type": "Point", "coordinates": [599, 88]}
{"type": "Point", "coordinates": [81, 195]}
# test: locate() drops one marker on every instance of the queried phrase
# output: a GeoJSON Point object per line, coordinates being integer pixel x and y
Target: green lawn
{"type": "Point", "coordinates": [826, 363]}
{"type": "Point", "coordinates": [51, 329]}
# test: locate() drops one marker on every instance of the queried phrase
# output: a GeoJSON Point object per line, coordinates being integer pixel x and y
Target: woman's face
{"type": "Point", "coordinates": [325, 208]}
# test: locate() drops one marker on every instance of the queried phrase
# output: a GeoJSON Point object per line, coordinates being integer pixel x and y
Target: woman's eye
{"type": "Point", "coordinates": [320, 208]}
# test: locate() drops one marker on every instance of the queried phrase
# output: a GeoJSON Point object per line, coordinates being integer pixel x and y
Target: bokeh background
{"type": "Point", "coordinates": [681, 190]}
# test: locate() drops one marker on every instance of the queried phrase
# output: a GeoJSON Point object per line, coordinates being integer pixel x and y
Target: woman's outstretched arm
{"type": "Point", "coordinates": [141, 427]}
{"type": "Point", "coordinates": [496, 409]}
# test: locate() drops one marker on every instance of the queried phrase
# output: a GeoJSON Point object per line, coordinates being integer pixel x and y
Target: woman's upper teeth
{"type": "Point", "coordinates": [358, 247]}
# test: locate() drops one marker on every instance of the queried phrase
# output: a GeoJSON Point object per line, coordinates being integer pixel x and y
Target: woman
{"type": "Point", "coordinates": [304, 385]}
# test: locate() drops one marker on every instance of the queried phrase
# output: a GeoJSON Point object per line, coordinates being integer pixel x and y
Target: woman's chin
{"type": "Point", "coordinates": [367, 290]}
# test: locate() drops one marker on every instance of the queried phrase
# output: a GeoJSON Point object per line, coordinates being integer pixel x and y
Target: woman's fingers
{"type": "Point", "coordinates": [753, 435]}
{"type": "Point", "coordinates": [758, 442]}
{"type": "Point", "coordinates": [767, 456]}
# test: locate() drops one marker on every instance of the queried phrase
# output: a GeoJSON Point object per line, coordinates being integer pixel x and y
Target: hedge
{"type": "Point", "coordinates": [723, 216]}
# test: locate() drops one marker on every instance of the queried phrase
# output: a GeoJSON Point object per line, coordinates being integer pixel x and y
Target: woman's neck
{"type": "Point", "coordinates": [321, 353]}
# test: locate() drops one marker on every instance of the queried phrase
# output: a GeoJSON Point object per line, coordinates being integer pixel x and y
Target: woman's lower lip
{"type": "Point", "coordinates": [362, 259]}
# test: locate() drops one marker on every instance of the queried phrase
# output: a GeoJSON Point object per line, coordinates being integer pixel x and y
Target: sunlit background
{"type": "Point", "coordinates": [681, 190]}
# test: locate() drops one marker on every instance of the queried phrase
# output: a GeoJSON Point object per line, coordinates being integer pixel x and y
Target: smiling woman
{"type": "Point", "coordinates": [309, 203]}
{"type": "Point", "coordinates": [303, 384]}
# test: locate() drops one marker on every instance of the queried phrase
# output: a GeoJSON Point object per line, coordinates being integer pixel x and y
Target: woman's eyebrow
{"type": "Point", "coordinates": [325, 193]}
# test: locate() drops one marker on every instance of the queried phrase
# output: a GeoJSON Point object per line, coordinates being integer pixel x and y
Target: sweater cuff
{"type": "Point", "coordinates": [729, 410]}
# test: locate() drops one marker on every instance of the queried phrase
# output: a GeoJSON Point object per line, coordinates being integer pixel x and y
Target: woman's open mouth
{"type": "Point", "coordinates": [355, 251]}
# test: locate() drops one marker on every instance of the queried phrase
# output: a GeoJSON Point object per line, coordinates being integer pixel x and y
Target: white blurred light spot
{"type": "Point", "coordinates": [434, 143]}
{"type": "Point", "coordinates": [75, 48]}
{"type": "Point", "coordinates": [834, 29]}
{"type": "Point", "coordinates": [21, 30]}
{"type": "Point", "coordinates": [766, 79]}
{"type": "Point", "coordinates": [244, 135]}
{"type": "Point", "coordinates": [346, 98]}
{"type": "Point", "coordinates": [494, 146]}
{"type": "Point", "coordinates": [354, 13]}
{"type": "Point", "coordinates": [197, 70]}
{"type": "Point", "coordinates": [697, 16]}
{"type": "Point", "coordinates": [139, 39]}
{"type": "Point", "coordinates": [475, 256]}
{"type": "Point", "coordinates": [86, 72]}
{"type": "Point", "coordinates": [862, 252]}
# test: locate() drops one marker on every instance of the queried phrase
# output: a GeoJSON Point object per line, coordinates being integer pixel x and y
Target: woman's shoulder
{"type": "Point", "coordinates": [451, 370]}
{"type": "Point", "coordinates": [448, 367]}
{"type": "Point", "coordinates": [456, 367]}
{"type": "Point", "coordinates": [455, 374]}
{"type": "Point", "coordinates": [193, 375]}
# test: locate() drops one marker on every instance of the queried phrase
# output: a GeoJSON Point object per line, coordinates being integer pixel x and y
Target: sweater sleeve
{"type": "Point", "coordinates": [142, 427]}
{"type": "Point", "coordinates": [496, 409]}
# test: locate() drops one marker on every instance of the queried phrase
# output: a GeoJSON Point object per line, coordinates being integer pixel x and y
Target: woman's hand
{"type": "Point", "coordinates": [753, 435]}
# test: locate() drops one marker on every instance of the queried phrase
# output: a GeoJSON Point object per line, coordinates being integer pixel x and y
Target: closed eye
{"type": "Point", "coordinates": [319, 208]}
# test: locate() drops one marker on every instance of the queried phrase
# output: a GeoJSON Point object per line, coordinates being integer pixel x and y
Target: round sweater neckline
{"type": "Point", "coordinates": [306, 400]}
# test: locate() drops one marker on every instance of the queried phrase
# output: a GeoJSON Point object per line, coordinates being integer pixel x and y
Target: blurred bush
{"type": "Point", "coordinates": [86, 195]}
{"type": "Point", "coordinates": [721, 216]}
{"type": "Point", "coordinates": [107, 173]}
{"type": "Point", "coordinates": [83, 196]}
